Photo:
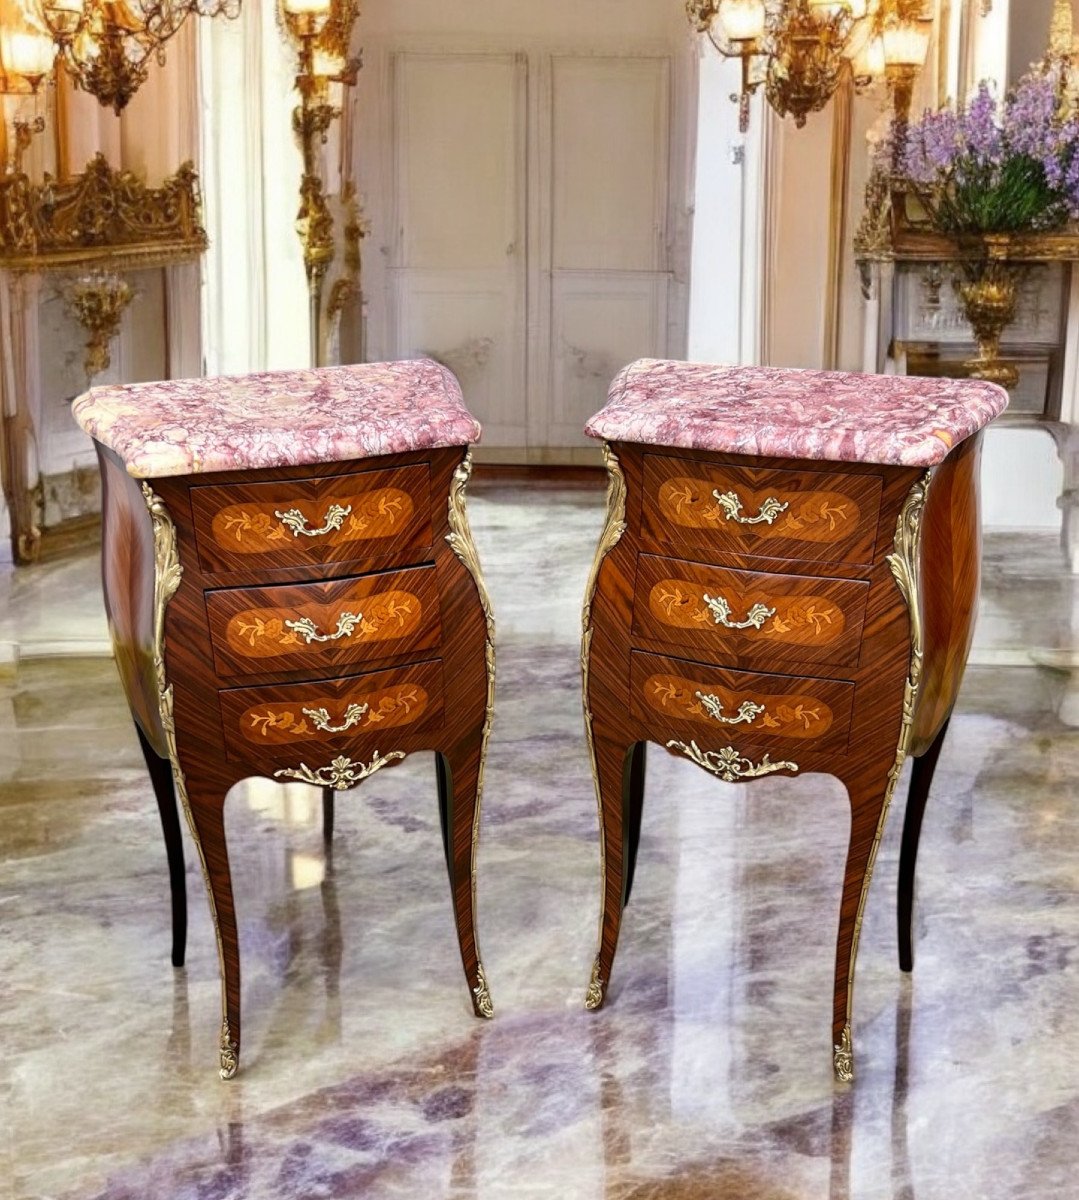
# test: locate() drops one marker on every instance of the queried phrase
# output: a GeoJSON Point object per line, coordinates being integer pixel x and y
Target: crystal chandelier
{"type": "Point", "coordinates": [801, 50]}
{"type": "Point", "coordinates": [107, 46]}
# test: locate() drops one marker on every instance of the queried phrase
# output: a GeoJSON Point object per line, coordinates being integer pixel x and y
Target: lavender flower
{"type": "Point", "coordinates": [996, 167]}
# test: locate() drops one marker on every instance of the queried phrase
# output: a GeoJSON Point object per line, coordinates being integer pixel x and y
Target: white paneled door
{"type": "Point", "coordinates": [532, 217]}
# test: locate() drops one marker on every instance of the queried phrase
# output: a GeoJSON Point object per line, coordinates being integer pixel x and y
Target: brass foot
{"type": "Point", "coordinates": [230, 1054]}
{"type": "Point", "coordinates": [593, 998]}
{"type": "Point", "coordinates": [482, 995]}
{"type": "Point", "coordinates": [843, 1057]}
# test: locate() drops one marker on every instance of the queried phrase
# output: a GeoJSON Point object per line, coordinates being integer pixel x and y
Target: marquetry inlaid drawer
{"type": "Point", "coordinates": [323, 626]}
{"type": "Point", "coordinates": [289, 523]}
{"type": "Point", "coordinates": [693, 701]}
{"type": "Point", "coordinates": [292, 720]}
{"type": "Point", "coordinates": [751, 614]}
{"type": "Point", "coordinates": [808, 515]}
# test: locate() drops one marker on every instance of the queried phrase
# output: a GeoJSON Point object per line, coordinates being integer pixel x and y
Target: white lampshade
{"type": "Point", "coordinates": [307, 8]}
{"type": "Point", "coordinates": [906, 43]}
{"type": "Point", "coordinates": [27, 53]}
{"type": "Point", "coordinates": [742, 20]}
{"type": "Point", "coordinates": [869, 62]}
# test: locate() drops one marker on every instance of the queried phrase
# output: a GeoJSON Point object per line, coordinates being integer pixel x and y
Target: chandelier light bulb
{"type": "Point", "coordinates": [27, 54]}
{"type": "Point", "coordinates": [906, 43]}
{"type": "Point", "coordinates": [742, 20]}
{"type": "Point", "coordinates": [307, 8]}
{"type": "Point", "coordinates": [869, 63]}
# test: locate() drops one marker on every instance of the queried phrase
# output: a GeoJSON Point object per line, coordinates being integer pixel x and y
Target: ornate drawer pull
{"type": "Point", "coordinates": [747, 710]}
{"type": "Point", "coordinates": [297, 522]}
{"type": "Point", "coordinates": [721, 611]}
{"type": "Point", "coordinates": [728, 764]}
{"type": "Point", "coordinates": [354, 714]}
{"type": "Point", "coordinates": [341, 774]}
{"type": "Point", "coordinates": [305, 627]}
{"type": "Point", "coordinates": [732, 506]}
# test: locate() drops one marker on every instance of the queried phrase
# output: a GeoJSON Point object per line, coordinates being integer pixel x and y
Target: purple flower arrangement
{"type": "Point", "coordinates": [997, 168]}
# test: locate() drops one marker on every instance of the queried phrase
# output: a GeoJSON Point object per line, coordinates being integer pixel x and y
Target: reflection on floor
{"type": "Point", "coordinates": [708, 1076]}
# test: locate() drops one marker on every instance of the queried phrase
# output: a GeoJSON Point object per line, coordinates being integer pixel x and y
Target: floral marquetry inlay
{"type": "Point", "coordinates": [316, 716]}
{"type": "Point", "coordinates": [791, 715]}
{"type": "Point", "coordinates": [807, 516]}
{"type": "Point", "coordinates": [256, 528]}
{"type": "Point", "coordinates": [268, 632]}
{"type": "Point", "coordinates": [804, 620]}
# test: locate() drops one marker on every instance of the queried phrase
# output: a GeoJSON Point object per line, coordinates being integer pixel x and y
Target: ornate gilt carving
{"type": "Point", "coordinates": [308, 630]}
{"type": "Point", "coordinates": [463, 545]}
{"type": "Point", "coordinates": [103, 216]}
{"type": "Point", "coordinates": [593, 998]}
{"type": "Point", "coordinates": [341, 774]}
{"type": "Point", "coordinates": [728, 764]}
{"type": "Point", "coordinates": [904, 562]}
{"type": "Point", "coordinates": [731, 505]}
{"type": "Point", "coordinates": [230, 1054]}
{"type": "Point", "coordinates": [613, 529]}
{"type": "Point", "coordinates": [484, 1004]}
{"type": "Point", "coordinates": [98, 302]}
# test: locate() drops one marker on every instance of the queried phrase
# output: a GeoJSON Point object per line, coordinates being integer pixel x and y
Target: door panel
{"type": "Point", "coordinates": [610, 283]}
{"type": "Point", "coordinates": [458, 281]}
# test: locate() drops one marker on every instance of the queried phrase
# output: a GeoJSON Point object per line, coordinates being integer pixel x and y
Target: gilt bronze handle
{"type": "Point", "coordinates": [721, 612]}
{"type": "Point", "coordinates": [297, 522]}
{"type": "Point", "coordinates": [354, 714]}
{"type": "Point", "coordinates": [732, 506]}
{"type": "Point", "coordinates": [747, 710]}
{"type": "Point", "coordinates": [306, 628]}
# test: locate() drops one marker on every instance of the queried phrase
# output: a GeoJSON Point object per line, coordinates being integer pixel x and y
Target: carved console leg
{"type": "Point", "coordinates": [921, 781]}
{"type": "Point", "coordinates": [327, 814]}
{"type": "Point", "coordinates": [208, 818]}
{"type": "Point", "coordinates": [868, 806]}
{"type": "Point", "coordinates": [165, 790]}
{"type": "Point", "coordinates": [613, 766]}
{"type": "Point", "coordinates": [634, 809]}
{"type": "Point", "coordinates": [459, 776]}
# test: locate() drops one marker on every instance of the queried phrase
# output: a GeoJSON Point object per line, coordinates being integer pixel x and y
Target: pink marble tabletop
{"type": "Point", "coordinates": [278, 418]}
{"type": "Point", "coordinates": [896, 420]}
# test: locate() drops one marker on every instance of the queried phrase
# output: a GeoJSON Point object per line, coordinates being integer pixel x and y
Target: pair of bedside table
{"type": "Point", "coordinates": [787, 583]}
{"type": "Point", "coordinates": [293, 591]}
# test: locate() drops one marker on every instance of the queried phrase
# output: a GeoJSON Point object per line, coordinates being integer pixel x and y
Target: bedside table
{"type": "Point", "coordinates": [293, 591]}
{"type": "Point", "coordinates": [787, 582]}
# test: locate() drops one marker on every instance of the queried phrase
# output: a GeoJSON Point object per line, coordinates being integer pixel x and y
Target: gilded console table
{"type": "Point", "coordinates": [293, 591]}
{"type": "Point", "coordinates": [787, 582]}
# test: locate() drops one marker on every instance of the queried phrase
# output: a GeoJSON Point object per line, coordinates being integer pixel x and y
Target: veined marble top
{"type": "Point", "coordinates": [278, 418]}
{"type": "Point", "coordinates": [895, 420]}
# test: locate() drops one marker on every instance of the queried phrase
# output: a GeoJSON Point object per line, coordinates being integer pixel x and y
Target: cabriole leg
{"type": "Point", "coordinates": [208, 817]}
{"type": "Point", "coordinates": [613, 765]}
{"type": "Point", "coordinates": [459, 780]}
{"type": "Point", "coordinates": [165, 791]}
{"type": "Point", "coordinates": [921, 780]}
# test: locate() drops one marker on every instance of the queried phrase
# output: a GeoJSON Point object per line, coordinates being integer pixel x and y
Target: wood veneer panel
{"type": "Point", "coordinates": [283, 722]}
{"type": "Point", "coordinates": [256, 631]}
{"type": "Point", "coordinates": [683, 699]}
{"type": "Point", "coordinates": [274, 523]}
{"type": "Point", "coordinates": [765, 511]}
{"type": "Point", "coordinates": [812, 619]}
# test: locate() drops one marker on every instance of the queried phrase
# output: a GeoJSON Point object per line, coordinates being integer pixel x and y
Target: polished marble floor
{"type": "Point", "coordinates": [707, 1077]}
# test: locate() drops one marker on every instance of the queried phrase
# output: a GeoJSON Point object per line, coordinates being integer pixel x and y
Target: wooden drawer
{"type": "Point", "coordinates": [773, 514]}
{"type": "Point", "coordinates": [323, 626]}
{"type": "Point", "coordinates": [291, 720]}
{"type": "Point", "coordinates": [749, 614]}
{"type": "Point", "coordinates": [289, 523]}
{"type": "Point", "coordinates": [692, 701]}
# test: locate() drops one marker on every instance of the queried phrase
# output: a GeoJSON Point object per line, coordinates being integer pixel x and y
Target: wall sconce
{"type": "Point", "coordinates": [320, 31]}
